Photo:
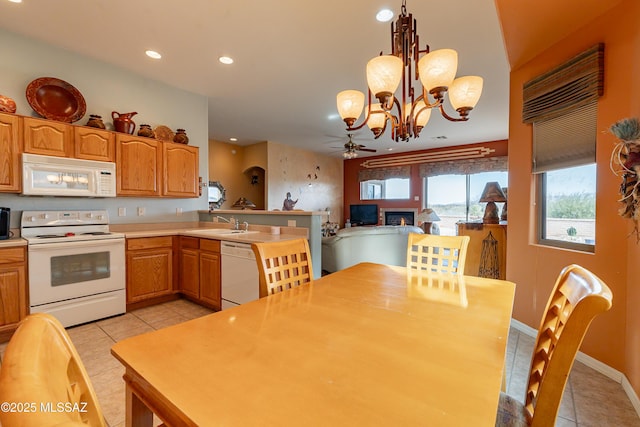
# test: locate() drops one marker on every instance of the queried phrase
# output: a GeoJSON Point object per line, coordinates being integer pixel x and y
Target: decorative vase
{"type": "Point", "coordinates": [181, 137]}
{"type": "Point", "coordinates": [146, 131]}
{"type": "Point", "coordinates": [95, 121]}
{"type": "Point", "coordinates": [122, 122]}
{"type": "Point", "coordinates": [7, 105]}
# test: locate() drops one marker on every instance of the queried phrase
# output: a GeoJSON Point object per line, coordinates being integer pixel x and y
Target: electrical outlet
{"type": "Point", "coordinates": [416, 198]}
{"type": "Point", "coordinates": [178, 211]}
{"type": "Point", "coordinates": [291, 223]}
{"type": "Point", "coordinates": [140, 211]}
{"type": "Point", "coordinates": [122, 211]}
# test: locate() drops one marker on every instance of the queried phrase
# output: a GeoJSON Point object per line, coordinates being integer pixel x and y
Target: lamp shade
{"type": "Point", "coordinates": [377, 117]}
{"type": "Point", "coordinates": [465, 92]}
{"type": "Point", "coordinates": [350, 104]}
{"type": "Point", "coordinates": [421, 114]}
{"type": "Point", "coordinates": [492, 193]}
{"type": "Point", "coordinates": [384, 73]}
{"type": "Point", "coordinates": [438, 68]}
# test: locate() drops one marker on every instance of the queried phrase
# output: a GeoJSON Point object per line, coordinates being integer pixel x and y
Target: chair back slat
{"type": "Point", "coordinates": [42, 366]}
{"type": "Point", "coordinates": [577, 297]}
{"type": "Point", "coordinates": [438, 254]}
{"type": "Point", "coordinates": [283, 265]}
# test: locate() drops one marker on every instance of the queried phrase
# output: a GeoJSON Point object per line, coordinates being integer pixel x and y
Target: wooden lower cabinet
{"type": "Point", "coordinates": [149, 268]}
{"type": "Point", "coordinates": [200, 270]}
{"type": "Point", "coordinates": [13, 290]}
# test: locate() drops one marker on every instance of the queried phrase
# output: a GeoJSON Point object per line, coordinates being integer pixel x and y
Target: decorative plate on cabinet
{"type": "Point", "coordinates": [56, 99]}
{"type": "Point", "coordinates": [163, 133]}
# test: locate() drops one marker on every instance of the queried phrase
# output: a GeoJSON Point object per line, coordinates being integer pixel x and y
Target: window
{"type": "Point", "coordinates": [564, 159]}
{"type": "Point", "coordinates": [455, 197]}
{"type": "Point", "coordinates": [568, 207]}
{"type": "Point", "coordinates": [386, 189]}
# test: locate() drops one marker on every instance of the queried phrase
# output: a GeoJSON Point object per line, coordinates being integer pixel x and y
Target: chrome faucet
{"type": "Point", "coordinates": [246, 226]}
{"type": "Point", "coordinates": [223, 218]}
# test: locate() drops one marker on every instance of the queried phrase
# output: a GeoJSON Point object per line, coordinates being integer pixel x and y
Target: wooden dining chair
{"type": "Point", "coordinates": [283, 265]}
{"type": "Point", "coordinates": [577, 297]}
{"type": "Point", "coordinates": [41, 368]}
{"type": "Point", "coordinates": [435, 253]}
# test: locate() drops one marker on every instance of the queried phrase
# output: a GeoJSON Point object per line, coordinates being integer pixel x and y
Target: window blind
{"type": "Point", "coordinates": [565, 141]}
{"type": "Point", "coordinates": [384, 173]}
{"type": "Point", "coordinates": [464, 166]}
{"type": "Point", "coordinates": [573, 84]}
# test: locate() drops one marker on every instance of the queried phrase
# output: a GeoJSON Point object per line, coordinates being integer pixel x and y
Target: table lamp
{"type": "Point", "coordinates": [428, 217]}
{"type": "Point", "coordinates": [492, 193]}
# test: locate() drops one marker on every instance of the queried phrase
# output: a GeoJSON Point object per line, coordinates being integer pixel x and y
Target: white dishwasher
{"type": "Point", "coordinates": [239, 274]}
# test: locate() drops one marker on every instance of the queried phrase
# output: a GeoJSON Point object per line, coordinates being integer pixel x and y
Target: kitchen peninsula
{"type": "Point", "coordinates": [165, 260]}
{"type": "Point", "coordinates": [311, 220]}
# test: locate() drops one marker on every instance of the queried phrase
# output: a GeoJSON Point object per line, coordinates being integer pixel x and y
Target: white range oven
{"type": "Point", "coordinates": [76, 266]}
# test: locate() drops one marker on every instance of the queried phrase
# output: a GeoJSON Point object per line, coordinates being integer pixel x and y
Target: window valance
{"type": "Point", "coordinates": [573, 84]}
{"type": "Point", "coordinates": [464, 167]}
{"type": "Point", "coordinates": [384, 173]}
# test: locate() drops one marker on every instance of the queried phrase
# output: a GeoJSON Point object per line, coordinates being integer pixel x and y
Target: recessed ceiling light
{"type": "Point", "coordinates": [389, 149]}
{"type": "Point", "coordinates": [15, 1]}
{"type": "Point", "coordinates": [153, 54]}
{"type": "Point", "coordinates": [233, 139]}
{"type": "Point", "coordinates": [226, 60]}
{"type": "Point", "coordinates": [384, 15]}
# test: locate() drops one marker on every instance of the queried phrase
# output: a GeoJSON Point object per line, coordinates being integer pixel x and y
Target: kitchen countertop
{"type": "Point", "coordinates": [202, 230]}
{"type": "Point", "coordinates": [13, 241]}
{"type": "Point", "coordinates": [193, 229]}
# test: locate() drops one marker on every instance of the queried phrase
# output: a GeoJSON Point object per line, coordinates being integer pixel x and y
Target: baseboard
{"type": "Point", "coordinates": [633, 397]}
{"type": "Point", "coordinates": [594, 364]}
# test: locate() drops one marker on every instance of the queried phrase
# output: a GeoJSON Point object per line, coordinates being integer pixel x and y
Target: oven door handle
{"type": "Point", "coordinates": [76, 244]}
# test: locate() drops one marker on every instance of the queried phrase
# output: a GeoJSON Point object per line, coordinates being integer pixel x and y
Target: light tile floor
{"type": "Point", "coordinates": [590, 399]}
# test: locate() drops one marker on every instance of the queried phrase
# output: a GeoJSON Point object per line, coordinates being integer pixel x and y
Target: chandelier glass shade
{"type": "Point", "coordinates": [403, 106]}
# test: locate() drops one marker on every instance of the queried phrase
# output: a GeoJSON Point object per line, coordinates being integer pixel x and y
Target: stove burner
{"type": "Point", "coordinates": [49, 236]}
{"type": "Point", "coordinates": [98, 233]}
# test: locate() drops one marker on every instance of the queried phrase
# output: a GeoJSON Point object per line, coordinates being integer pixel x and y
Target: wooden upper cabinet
{"type": "Point", "coordinates": [138, 166]}
{"type": "Point", "coordinates": [10, 149]}
{"type": "Point", "coordinates": [180, 165]}
{"type": "Point", "coordinates": [48, 137]}
{"type": "Point", "coordinates": [94, 144]}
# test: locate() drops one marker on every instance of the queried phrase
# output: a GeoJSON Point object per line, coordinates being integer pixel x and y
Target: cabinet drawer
{"type": "Point", "coordinates": [210, 245]}
{"type": "Point", "coordinates": [12, 255]}
{"type": "Point", "coordinates": [149, 242]}
{"type": "Point", "coordinates": [189, 242]}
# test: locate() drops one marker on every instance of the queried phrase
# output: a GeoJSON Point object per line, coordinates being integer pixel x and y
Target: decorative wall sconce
{"type": "Point", "coordinates": [313, 176]}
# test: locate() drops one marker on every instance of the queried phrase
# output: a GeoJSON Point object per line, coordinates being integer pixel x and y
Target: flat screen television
{"type": "Point", "coordinates": [363, 214]}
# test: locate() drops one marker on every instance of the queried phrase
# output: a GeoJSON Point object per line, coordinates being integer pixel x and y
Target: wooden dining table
{"type": "Point", "coordinates": [369, 345]}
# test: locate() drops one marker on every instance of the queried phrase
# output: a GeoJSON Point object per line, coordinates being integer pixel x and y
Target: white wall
{"type": "Point", "coordinates": [105, 88]}
{"type": "Point", "coordinates": [289, 170]}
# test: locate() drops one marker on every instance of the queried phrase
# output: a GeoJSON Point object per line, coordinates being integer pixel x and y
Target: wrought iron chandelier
{"type": "Point", "coordinates": [410, 112]}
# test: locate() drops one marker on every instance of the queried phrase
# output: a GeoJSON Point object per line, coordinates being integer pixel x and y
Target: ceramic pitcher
{"type": "Point", "coordinates": [122, 122]}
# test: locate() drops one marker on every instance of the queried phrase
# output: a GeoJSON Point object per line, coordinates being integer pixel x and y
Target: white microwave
{"type": "Point", "coordinates": [61, 176]}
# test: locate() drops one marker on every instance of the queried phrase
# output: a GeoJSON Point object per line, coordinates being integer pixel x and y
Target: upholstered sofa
{"type": "Point", "coordinates": [383, 244]}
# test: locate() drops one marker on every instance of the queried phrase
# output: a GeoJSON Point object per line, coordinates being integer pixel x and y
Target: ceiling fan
{"type": "Point", "coordinates": [351, 148]}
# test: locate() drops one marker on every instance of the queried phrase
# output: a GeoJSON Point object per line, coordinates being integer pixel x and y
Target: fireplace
{"type": "Point", "coordinates": [395, 216]}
